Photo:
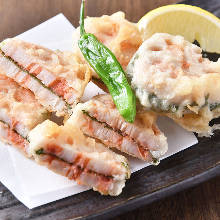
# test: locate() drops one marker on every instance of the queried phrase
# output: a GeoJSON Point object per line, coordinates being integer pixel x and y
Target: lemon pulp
{"type": "Point", "coordinates": [191, 22]}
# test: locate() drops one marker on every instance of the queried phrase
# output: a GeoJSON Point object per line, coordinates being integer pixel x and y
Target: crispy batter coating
{"type": "Point", "coordinates": [18, 107]}
{"type": "Point", "coordinates": [56, 78]}
{"type": "Point", "coordinates": [99, 118]}
{"type": "Point", "coordinates": [118, 34]}
{"type": "Point", "coordinates": [65, 150]}
{"type": "Point", "coordinates": [170, 76]}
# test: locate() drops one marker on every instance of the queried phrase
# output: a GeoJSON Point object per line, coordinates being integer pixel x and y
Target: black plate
{"type": "Point", "coordinates": [183, 170]}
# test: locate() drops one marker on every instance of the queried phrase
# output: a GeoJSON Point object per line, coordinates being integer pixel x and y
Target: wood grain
{"type": "Point", "coordinates": [200, 202]}
{"type": "Point", "coordinates": [19, 16]}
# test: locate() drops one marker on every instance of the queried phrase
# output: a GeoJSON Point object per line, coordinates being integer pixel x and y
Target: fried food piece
{"type": "Point", "coordinates": [10, 136]}
{"type": "Point", "coordinates": [66, 151]}
{"type": "Point", "coordinates": [56, 78]}
{"type": "Point", "coordinates": [98, 118]}
{"type": "Point", "coordinates": [118, 34]}
{"type": "Point", "coordinates": [19, 113]}
{"type": "Point", "coordinates": [171, 77]}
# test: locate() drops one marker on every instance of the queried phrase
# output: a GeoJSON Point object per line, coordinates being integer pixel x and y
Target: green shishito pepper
{"type": "Point", "coordinates": [105, 64]}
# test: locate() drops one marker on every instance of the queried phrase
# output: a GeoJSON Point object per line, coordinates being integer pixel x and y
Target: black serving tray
{"type": "Point", "coordinates": [185, 169]}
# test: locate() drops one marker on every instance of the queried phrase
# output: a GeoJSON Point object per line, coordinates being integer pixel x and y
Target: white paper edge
{"type": "Point", "coordinates": [34, 201]}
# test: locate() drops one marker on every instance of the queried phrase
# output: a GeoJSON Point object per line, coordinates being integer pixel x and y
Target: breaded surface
{"type": "Point", "coordinates": [99, 118]}
{"type": "Point", "coordinates": [11, 137]}
{"type": "Point", "coordinates": [58, 72]}
{"type": "Point", "coordinates": [65, 150]}
{"type": "Point", "coordinates": [118, 34]}
{"type": "Point", "coordinates": [18, 107]}
{"type": "Point", "coordinates": [170, 76]}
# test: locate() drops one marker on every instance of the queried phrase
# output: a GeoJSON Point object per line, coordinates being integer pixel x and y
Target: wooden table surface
{"type": "Point", "coordinates": [200, 202]}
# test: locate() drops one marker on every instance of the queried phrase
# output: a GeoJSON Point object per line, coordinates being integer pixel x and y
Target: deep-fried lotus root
{"type": "Point", "coordinates": [170, 76]}
{"type": "Point", "coordinates": [66, 151]}
{"type": "Point", "coordinates": [98, 118]}
{"type": "Point", "coordinates": [19, 113]}
{"type": "Point", "coordinates": [118, 34]}
{"type": "Point", "coordinates": [56, 78]}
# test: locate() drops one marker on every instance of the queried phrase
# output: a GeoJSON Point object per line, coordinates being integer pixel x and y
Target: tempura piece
{"type": "Point", "coordinates": [170, 76]}
{"type": "Point", "coordinates": [118, 34]}
{"type": "Point", "coordinates": [56, 78]}
{"type": "Point", "coordinates": [66, 151]}
{"type": "Point", "coordinates": [99, 118]}
{"type": "Point", "coordinates": [19, 113]}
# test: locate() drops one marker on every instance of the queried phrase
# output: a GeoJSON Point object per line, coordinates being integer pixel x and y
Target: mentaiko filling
{"type": "Point", "coordinates": [10, 136]}
{"type": "Point", "coordinates": [122, 141]}
{"type": "Point", "coordinates": [99, 119]}
{"type": "Point", "coordinates": [73, 170]}
{"type": "Point", "coordinates": [56, 78]}
{"type": "Point", "coordinates": [169, 75]}
{"type": "Point", "coordinates": [65, 150]}
{"type": "Point", "coordinates": [19, 112]}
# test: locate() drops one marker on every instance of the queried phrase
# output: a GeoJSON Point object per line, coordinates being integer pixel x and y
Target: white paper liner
{"type": "Point", "coordinates": [35, 185]}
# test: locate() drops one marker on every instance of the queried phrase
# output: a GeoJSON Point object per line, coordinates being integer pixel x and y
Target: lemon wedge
{"type": "Point", "coordinates": [192, 22]}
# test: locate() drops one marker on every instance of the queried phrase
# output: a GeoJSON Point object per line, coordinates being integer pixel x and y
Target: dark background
{"type": "Point", "coordinates": [17, 16]}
